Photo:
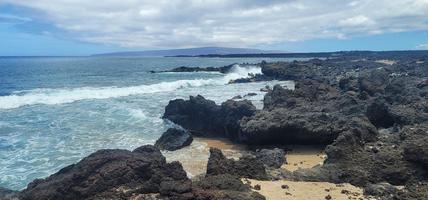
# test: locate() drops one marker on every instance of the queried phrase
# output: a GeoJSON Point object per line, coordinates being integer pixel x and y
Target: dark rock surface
{"type": "Point", "coordinates": [113, 174]}
{"type": "Point", "coordinates": [246, 166]}
{"type": "Point", "coordinates": [198, 115]}
{"type": "Point", "coordinates": [203, 117]}
{"type": "Point", "coordinates": [6, 194]}
{"type": "Point", "coordinates": [224, 186]}
{"type": "Point", "coordinates": [273, 158]}
{"type": "Point", "coordinates": [174, 139]}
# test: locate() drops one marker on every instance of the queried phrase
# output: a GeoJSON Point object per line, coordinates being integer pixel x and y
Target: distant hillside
{"type": "Point", "coordinates": [190, 52]}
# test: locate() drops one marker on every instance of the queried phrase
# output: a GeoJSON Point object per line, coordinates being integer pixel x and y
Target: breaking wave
{"type": "Point", "coordinates": [66, 95]}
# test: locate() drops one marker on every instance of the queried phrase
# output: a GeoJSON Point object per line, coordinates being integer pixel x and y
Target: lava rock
{"type": "Point", "coordinates": [198, 115]}
{"type": "Point", "coordinates": [273, 158]}
{"type": "Point", "coordinates": [203, 117]}
{"type": "Point", "coordinates": [174, 139]}
{"type": "Point", "coordinates": [7, 194]}
{"type": "Point", "coordinates": [379, 114]}
{"type": "Point", "coordinates": [113, 174]}
{"type": "Point", "coordinates": [246, 166]}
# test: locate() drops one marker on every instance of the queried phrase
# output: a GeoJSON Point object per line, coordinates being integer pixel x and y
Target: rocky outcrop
{"type": "Point", "coordinates": [6, 194]}
{"type": "Point", "coordinates": [282, 126]}
{"type": "Point", "coordinates": [230, 115]}
{"type": "Point", "coordinates": [224, 186]}
{"type": "Point", "coordinates": [379, 114]}
{"type": "Point", "coordinates": [174, 139]}
{"type": "Point", "coordinates": [198, 115]}
{"type": "Point", "coordinates": [245, 167]}
{"type": "Point", "coordinates": [203, 117]}
{"type": "Point", "coordinates": [272, 158]}
{"type": "Point", "coordinates": [113, 174]}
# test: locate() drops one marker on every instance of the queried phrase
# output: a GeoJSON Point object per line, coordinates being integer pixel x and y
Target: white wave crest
{"type": "Point", "coordinates": [61, 96]}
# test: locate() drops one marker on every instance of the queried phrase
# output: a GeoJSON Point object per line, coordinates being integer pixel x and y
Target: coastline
{"type": "Point", "coordinates": [342, 133]}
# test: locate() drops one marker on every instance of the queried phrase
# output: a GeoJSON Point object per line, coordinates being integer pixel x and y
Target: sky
{"type": "Point", "coordinates": [85, 27]}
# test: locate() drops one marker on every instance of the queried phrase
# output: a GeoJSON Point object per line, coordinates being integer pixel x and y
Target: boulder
{"type": "Point", "coordinates": [245, 167]}
{"type": "Point", "coordinates": [373, 82]}
{"type": "Point", "coordinates": [113, 174]}
{"type": "Point", "coordinates": [174, 139]}
{"type": "Point", "coordinates": [231, 112]}
{"type": "Point", "coordinates": [203, 117]}
{"type": "Point", "coordinates": [224, 186]}
{"type": "Point", "coordinates": [379, 114]}
{"type": "Point", "coordinates": [198, 115]}
{"type": "Point", "coordinates": [382, 190]}
{"type": "Point", "coordinates": [284, 126]}
{"type": "Point", "coordinates": [416, 150]}
{"type": "Point", "coordinates": [272, 158]}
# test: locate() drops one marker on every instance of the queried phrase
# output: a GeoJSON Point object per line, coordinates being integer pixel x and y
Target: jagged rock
{"type": "Point", "coordinates": [246, 166]}
{"type": "Point", "coordinates": [374, 81]}
{"type": "Point", "coordinates": [231, 113]}
{"type": "Point", "coordinates": [113, 174]}
{"type": "Point", "coordinates": [204, 118]}
{"type": "Point", "coordinates": [198, 115]}
{"type": "Point", "coordinates": [416, 150]}
{"type": "Point", "coordinates": [379, 114]}
{"type": "Point", "coordinates": [224, 186]}
{"type": "Point", "coordinates": [273, 158]}
{"type": "Point", "coordinates": [385, 190]}
{"type": "Point", "coordinates": [174, 139]}
{"type": "Point", "coordinates": [6, 194]}
{"type": "Point", "coordinates": [283, 126]}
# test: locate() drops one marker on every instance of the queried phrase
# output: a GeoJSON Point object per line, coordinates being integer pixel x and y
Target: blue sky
{"type": "Point", "coordinates": [74, 28]}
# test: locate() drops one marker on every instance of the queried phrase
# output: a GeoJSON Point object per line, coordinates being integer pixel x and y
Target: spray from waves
{"type": "Point", "coordinates": [61, 96]}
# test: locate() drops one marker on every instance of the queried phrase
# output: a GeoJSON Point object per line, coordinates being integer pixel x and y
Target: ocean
{"type": "Point", "coordinates": [56, 110]}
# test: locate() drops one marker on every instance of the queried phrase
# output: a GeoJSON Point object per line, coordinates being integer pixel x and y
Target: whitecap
{"type": "Point", "coordinates": [69, 95]}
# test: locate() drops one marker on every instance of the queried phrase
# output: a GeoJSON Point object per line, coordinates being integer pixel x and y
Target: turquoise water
{"type": "Point", "coordinates": [55, 111]}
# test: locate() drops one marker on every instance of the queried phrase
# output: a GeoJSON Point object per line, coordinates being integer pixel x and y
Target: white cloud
{"type": "Point", "coordinates": [422, 46]}
{"type": "Point", "coordinates": [186, 23]}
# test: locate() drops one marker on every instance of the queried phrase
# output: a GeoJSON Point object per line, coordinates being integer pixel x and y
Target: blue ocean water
{"type": "Point", "coordinates": [56, 110]}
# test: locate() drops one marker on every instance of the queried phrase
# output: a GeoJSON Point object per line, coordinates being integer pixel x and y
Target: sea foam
{"type": "Point", "coordinates": [69, 95]}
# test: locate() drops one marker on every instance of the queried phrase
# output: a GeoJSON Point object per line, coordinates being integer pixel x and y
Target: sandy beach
{"type": "Point", "coordinates": [280, 190]}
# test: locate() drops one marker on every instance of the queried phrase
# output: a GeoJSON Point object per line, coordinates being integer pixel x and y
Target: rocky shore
{"type": "Point", "coordinates": [370, 116]}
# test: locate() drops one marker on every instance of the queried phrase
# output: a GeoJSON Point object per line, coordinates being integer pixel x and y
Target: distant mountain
{"type": "Point", "coordinates": [190, 52]}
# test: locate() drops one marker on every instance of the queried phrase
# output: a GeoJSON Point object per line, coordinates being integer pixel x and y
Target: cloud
{"type": "Point", "coordinates": [189, 23]}
{"type": "Point", "coordinates": [422, 46]}
{"type": "Point", "coordinates": [7, 18]}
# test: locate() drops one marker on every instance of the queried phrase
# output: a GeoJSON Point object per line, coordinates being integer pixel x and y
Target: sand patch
{"type": "Point", "coordinates": [304, 157]}
{"type": "Point", "coordinates": [194, 158]}
{"type": "Point", "coordinates": [280, 190]}
{"type": "Point", "coordinates": [386, 62]}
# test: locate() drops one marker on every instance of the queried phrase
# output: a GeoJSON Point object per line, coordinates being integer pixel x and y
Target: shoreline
{"type": "Point", "coordinates": [364, 127]}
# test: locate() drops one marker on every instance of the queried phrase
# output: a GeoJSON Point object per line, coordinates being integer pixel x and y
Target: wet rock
{"type": "Point", "coordinates": [203, 117]}
{"type": "Point", "coordinates": [113, 174]}
{"type": "Point", "coordinates": [198, 115]}
{"type": "Point", "coordinates": [273, 158]}
{"type": "Point", "coordinates": [174, 139]}
{"type": "Point", "coordinates": [422, 84]}
{"type": "Point", "coordinates": [246, 166]}
{"type": "Point", "coordinates": [237, 97]}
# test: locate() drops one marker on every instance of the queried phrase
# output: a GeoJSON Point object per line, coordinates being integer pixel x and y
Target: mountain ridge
{"type": "Point", "coordinates": [190, 52]}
